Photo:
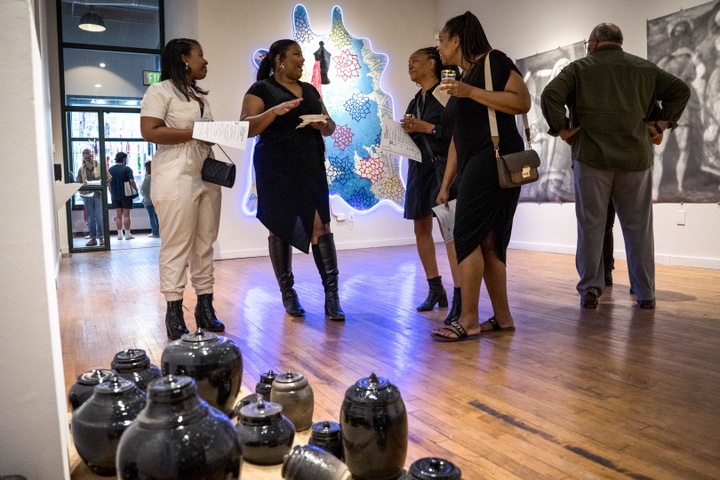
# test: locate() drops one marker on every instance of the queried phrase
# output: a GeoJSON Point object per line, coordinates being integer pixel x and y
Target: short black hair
{"type": "Point", "coordinates": [433, 54]}
{"type": "Point", "coordinates": [120, 157]}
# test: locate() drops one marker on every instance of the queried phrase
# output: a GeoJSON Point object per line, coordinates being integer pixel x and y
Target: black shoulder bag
{"type": "Point", "coordinates": [219, 172]}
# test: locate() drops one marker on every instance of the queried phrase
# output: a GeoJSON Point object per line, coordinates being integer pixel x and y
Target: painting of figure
{"type": "Point", "coordinates": [555, 183]}
{"type": "Point", "coordinates": [687, 163]}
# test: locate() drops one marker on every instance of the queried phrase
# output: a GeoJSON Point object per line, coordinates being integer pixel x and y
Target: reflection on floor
{"type": "Point", "coordinates": [141, 240]}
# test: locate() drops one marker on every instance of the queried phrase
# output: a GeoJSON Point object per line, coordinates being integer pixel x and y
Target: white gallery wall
{"type": "Point", "coordinates": [33, 411]}
{"type": "Point", "coordinates": [231, 31]}
{"type": "Point", "coordinates": [524, 27]}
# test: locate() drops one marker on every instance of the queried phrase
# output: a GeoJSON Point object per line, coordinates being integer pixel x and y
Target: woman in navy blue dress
{"type": "Point", "coordinates": [429, 128]}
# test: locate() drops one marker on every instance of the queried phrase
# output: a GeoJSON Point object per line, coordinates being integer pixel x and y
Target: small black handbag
{"type": "Point", "coordinates": [219, 172]}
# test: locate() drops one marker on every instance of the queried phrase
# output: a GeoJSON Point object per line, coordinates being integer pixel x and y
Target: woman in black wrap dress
{"type": "Point", "coordinates": [290, 172]}
{"type": "Point", "coordinates": [484, 215]}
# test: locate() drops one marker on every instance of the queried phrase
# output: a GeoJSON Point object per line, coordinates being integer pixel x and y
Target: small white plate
{"type": "Point", "coordinates": [314, 118]}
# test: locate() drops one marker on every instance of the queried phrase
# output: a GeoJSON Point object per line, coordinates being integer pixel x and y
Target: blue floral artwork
{"type": "Point", "coordinates": [347, 73]}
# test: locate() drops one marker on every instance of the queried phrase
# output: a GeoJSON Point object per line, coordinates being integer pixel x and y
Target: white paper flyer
{"type": "Point", "coordinates": [229, 134]}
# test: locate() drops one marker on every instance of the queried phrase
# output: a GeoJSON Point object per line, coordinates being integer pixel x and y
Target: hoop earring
{"type": "Point", "coordinates": [282, 68]}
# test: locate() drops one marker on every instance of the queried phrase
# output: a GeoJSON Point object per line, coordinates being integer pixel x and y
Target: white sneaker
{"type": "Point", "coordinates": [129, 236]}
{"type": "Point", "coordinates": [87, 236]}
{"type": "Point", "coordinates": [120, 237]}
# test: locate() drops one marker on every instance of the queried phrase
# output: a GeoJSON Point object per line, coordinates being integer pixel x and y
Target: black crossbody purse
{"type": "Point", "coordinates": [514, 169]}
{"type": "Point", "coordinates": [219, 172]}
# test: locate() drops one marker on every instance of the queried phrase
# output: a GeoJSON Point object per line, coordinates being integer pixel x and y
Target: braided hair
{"type": "Point", "coordinates": [433, 54]}
{"type": "Point", "coordinates": [277, 49]}
{"type": "Point", "coordinates": [172, 66]}
{"type": "Point", "coordinates": [473, 41]}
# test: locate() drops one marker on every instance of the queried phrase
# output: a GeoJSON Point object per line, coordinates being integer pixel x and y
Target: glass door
{"type": "Point", "coordinates": [87, 215]}
{"type": "Point", "coordinates": [96, 137]}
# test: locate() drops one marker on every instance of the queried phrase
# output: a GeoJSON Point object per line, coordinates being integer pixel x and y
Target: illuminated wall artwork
{"type": "Point", "coordinates": [347, 72]}
{"type": "Point", "coordinates": [555, 183]}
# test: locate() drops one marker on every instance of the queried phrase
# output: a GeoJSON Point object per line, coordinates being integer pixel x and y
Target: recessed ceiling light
{"type": "Point", "coordinates": [102, 65]}
{"type": "Point", "coordinates": [97, 85]}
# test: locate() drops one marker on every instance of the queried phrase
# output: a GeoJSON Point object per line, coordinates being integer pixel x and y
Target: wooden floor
{"type": "Point", "coordinates": [616, 392]}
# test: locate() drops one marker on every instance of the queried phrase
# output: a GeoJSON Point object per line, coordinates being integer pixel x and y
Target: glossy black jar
{"type": "Point", "coordinates": [214, 361]}
{"type": "Point", "coordinates": [308, 462]}
{"type": "Point", "coordinates": [432, 468]}
{"type": "Point", "coordinates": [98, 424]}
{"type": "Point", "coordinates": [327, 435]}
{"type": "Point", "coordinates": [179, 436]}
{"type": "Point", "coordinates": [86, 381]}
{"type": "Point", "coordinates": [134, 364]}
{"type": "Point", "coordinates": [264, 386]}
{"type": "Point", "coordinates": [265, 434]}
{"type": "Point", "coordinates": [294, 393]}
{"type": "Point", "coordinates": [374, 429]}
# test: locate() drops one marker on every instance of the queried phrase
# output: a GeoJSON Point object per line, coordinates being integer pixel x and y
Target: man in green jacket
{"type": "Point", "coordinates": [609, 94]}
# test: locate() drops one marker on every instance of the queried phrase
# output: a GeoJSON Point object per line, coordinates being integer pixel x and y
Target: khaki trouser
{"type": "Point", "coordinates": [189, 224]}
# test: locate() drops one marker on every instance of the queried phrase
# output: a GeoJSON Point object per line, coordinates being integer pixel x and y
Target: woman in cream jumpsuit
{"type": "Point", "coordinates": [188, 209]}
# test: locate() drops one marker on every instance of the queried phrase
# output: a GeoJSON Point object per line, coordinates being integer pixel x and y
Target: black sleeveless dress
{"type": "Point", "coordinates": [290, 167]}
{"type": "Point", "coordinates": [425, 178]}
{"type": "Point", "coordinates": [483, 208]}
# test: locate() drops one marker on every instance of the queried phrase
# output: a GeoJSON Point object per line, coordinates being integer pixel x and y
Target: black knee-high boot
{"type": "Point", "coordinates": [435, 295]}
{"type": "Point", "coordinates": [456, 309]}
{"type": "Point", "coordinates": [205, 314]}
{"type": "Point", "coordinates": [326, 261]}
{"type": "Point", "coordinates": [281, 258]}
{"type": "Point", "coordinates": [175, 320]}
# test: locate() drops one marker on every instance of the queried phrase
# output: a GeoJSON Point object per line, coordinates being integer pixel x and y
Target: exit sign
{"type": "Point", "coordinates": [150, 77]}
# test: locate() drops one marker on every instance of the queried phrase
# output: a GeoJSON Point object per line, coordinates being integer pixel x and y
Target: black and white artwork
{"type": "Point", "coordinates": [555, 183]}
{"type": "Point", "coordinates": [687, 162]}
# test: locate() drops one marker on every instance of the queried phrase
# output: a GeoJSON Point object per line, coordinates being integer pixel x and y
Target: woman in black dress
{"type": "Point", "coordinates": [426, 127]}
{"type": "Point", "coordinates": [290, 171]}
{"type": "Point", "coordinates": [484, 215]}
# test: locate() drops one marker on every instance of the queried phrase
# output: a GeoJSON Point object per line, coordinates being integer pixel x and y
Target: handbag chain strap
{"type": "Point", "coordinates": [491, 112]}
{"type": "Point", "coordinates": [228, 156]}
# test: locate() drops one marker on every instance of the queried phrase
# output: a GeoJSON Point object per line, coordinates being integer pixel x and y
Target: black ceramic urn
{"type": "Point", "coordinates": [327, 435]}
{"type": "Point", "coordinates": [432, 468]}
{"type": "Point", "coordinates": [99, 422]}
{"type": "Point", "coordinates": [308, 462]}
{"type": "Point", "coordinates": [374, 429]}
{"type": "Point", "coordinates": [265, 434]}
{"type": "Point", "coordinates": [179, 436]}
{"type": "Point", "coordinates": [293, 392]}
{"type": "Point", "coordinates": [86, 381]}
{"type": "Point", "coordinates": [264, 386]}
{"type": "Point", "coordinates": [214, 361]}
{"type": "Point", "coordinates": [134, 364]}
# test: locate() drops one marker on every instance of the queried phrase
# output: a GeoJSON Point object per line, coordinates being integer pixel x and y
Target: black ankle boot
{"type": "Point", "coordinates": [435, 295]}
{"type": "Point", "coordinates": [281, 259]}
{"type": "Point", "coordinates": [205, 314]}
{"type": "Point", "coordinates": [175, 320]}
{"type": "Point", "coordinates": [326, 261]}
{"type": "Point", "coordinates": [456, 309]}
